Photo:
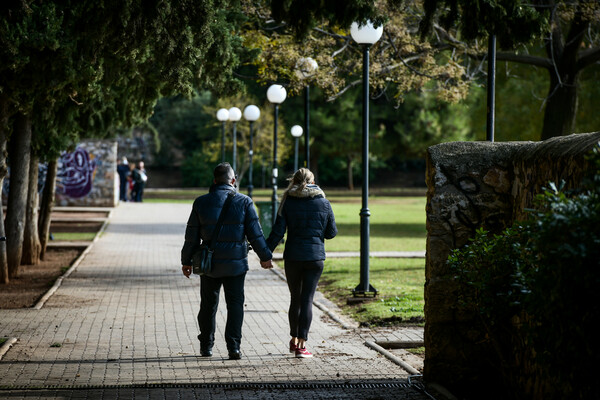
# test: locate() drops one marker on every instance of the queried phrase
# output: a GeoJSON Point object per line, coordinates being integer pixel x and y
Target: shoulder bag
{"type": "Point", "coordinates": [202, 259]}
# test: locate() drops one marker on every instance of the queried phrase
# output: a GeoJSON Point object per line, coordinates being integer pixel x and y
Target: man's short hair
{"type": "Point", "coordinates": [223, 173]}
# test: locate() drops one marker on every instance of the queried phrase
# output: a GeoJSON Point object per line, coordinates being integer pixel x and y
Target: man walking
{"type": "Point", "coordinates": [123, 171]}
{"type": "Point", "coordinates": [230, 258]}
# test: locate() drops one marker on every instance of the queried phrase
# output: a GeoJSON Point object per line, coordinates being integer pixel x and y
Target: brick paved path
{"type": "Point", "coordinates": [124, 324]}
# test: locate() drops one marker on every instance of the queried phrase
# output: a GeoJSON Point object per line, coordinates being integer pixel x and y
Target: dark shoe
{"type": "Point", "coordinates": [235, 354]}
{"type": "Point", "coordinates": [206, 352]}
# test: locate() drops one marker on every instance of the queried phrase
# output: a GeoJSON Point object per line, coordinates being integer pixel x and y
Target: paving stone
{"type": "Point", "coordinates": [124, 324]}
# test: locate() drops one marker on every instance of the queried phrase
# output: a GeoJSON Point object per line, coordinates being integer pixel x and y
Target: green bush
{"type": "Point", "coordinates": [536, 290]}
{"type": "Point", "coordinates": [197, 170]}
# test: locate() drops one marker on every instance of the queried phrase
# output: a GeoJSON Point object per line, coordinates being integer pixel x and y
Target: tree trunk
{"type": "Point", "coordinates": [20, 147]}
{"type": "Point", "coordinates": [349, 170]}
{"type": "Point", "coordinates": [561, 106]}
{"type": "Point", "coordinates": [314, 162]}
{"type": "Point", "coordinates": [47, 205]}
{"type": "Point", "coordinates": [4, 277]}
{"type": "Point", "coordinates": [31, 238]}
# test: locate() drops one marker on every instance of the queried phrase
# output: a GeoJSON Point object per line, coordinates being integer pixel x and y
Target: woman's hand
{"type": "Point", "coordinates": [187, 270]}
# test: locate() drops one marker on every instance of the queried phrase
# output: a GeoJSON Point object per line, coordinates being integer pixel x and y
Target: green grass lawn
{"type": "Point", "coordinates": [396, 224]}
{"type": "Point", "coordinates": [399, 282]}
{"type": "Point", "coordinates": [74, 236]}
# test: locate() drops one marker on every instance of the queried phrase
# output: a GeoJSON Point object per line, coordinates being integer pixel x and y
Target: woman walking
{"type": "Point", "coordinates": [307, 215]}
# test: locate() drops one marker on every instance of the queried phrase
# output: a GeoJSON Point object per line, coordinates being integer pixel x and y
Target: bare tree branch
{"type": "Point", "coordinates": [588, 57]}
{"type": "Point", "coordinates": [344, 90]}
{"type": "Point", "coordinates": [524, 59]}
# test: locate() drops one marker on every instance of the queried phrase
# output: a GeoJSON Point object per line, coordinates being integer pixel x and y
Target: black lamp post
{"type": "Point", "coordinates": [234, 116]}
{"type": "Point", "coordinates": [296, 133]}
{"type": "Point", "coordinates": [491, 89]}
{"type": "Point", "coordinates": [251, 114]}
{"type": "Point", "coordinates": [306, 67]}
{"type": "Point", "coordinates": [276, 95]}
{"type": "Point", "coordinates": [365, 35]}
{"type": "Point", "coordinates": [223, 116]}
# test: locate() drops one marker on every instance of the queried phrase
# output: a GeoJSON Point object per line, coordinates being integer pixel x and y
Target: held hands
{"type": "Point", "coordinates": [187, 269]}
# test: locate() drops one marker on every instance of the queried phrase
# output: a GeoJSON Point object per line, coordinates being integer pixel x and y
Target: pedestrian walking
{"type": "Point", "coordinates": [139, 182]}
{"type": "Point", "coordinates": [123, 171]}
{"type": "Point", "coordinates": [307, 215]}
{"type": "Point", "coordinates": [240, 225]}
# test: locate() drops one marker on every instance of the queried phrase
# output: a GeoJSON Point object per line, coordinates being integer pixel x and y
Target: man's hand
{"type": "Point", "coordinates": [266, 264]}
{"type": "Point", "coordinates": [187, 270]}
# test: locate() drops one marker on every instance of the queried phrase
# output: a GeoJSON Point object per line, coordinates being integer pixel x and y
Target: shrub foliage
{"type": "Point", "coordinates": [536, 291]}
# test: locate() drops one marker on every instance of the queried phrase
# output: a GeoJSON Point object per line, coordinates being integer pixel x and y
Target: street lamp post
{"type": "Point", "coordinates": [296, 133]}
{"type": "Point", "coordinates": [251, 114]}
{"type": "Point", "coordinates": [223, 116]}
{"type": "Point", "coordinates": [491, 89]}
{"type": "Point", "coordinates": [234, 116]}
{"type": "Point", "coordinates": [276, 95]}
{"type": "Point", "coordinates": [305, 68]}
{"type": "Point", "coordinates": [365, 35]}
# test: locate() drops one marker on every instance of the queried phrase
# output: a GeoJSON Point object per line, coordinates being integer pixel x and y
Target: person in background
{"type": "Point", "coordinates": [123, 171]}
{"type": "Point", "coordinates": [229, 260]}
{"type": "Point", "coordinates": [307, 215]}
{"type": "Point", "coordinates": [139, 181]}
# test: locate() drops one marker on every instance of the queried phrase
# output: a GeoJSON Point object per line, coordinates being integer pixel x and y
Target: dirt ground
{"type": "Point", "coordinates": [35, 280]}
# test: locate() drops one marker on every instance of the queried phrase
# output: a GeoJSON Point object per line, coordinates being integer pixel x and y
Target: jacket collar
{"type": "Point", "coordinates": [308, 191]}
{"type": "Point", "coordinates": [220, 187]}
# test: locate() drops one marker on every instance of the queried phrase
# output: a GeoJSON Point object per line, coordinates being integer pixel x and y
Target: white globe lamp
{"type": "Point", "coordinates": [365, 33]}
{"type": "Point", "coordinates": [223, 114]}
{"type": "Point", "coordinates": [251, 113]}
{"type": "Point", "coordinates": [276, 94]}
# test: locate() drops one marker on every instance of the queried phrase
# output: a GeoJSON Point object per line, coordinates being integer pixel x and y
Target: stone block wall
{"type": "Point", "coordinates": [87, 176]}
{"type": "Point", "coordinates": [472, 185]}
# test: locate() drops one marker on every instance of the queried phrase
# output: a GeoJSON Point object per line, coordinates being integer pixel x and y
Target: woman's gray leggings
{"type": "Point", "coordinates": [302, 279]}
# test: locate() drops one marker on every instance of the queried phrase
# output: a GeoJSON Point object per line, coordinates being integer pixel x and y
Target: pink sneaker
{"type": "Point", "coordinates": [303, 353]}
{"type": "Point", "coordinates": [293, 346]}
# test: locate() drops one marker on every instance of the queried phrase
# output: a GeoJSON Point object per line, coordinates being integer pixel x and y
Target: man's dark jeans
{"type": "Point", "coordinates": [210, 288]}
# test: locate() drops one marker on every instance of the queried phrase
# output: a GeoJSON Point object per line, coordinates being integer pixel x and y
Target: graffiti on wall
{"type": "Point", "coordinates": [76, 171]}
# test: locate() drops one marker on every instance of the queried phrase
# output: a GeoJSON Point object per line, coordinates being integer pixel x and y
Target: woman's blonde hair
{"type": "Point", "coordinates": [301, 179]}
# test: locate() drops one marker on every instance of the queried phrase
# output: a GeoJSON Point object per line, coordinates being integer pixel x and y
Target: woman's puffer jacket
{"type": "Point", "coordinates": [240, 225]}
{"type": "Point", "coordinates": [309, 220]}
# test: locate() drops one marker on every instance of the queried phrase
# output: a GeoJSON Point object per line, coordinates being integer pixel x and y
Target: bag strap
{"type": "Point", "coordinates": [219, 224]}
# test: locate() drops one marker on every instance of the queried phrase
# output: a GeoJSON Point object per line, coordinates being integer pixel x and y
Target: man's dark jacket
{"type": "Point", "coordinates": [309, 220]}
{"type": "Point", "coordinates": [231, 249]}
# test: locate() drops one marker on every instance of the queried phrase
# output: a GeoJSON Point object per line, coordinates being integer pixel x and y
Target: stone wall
{"type": "Point", "coordinates": [87, 176]}
{"type": "Point", "coordinates": [472, 185]}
